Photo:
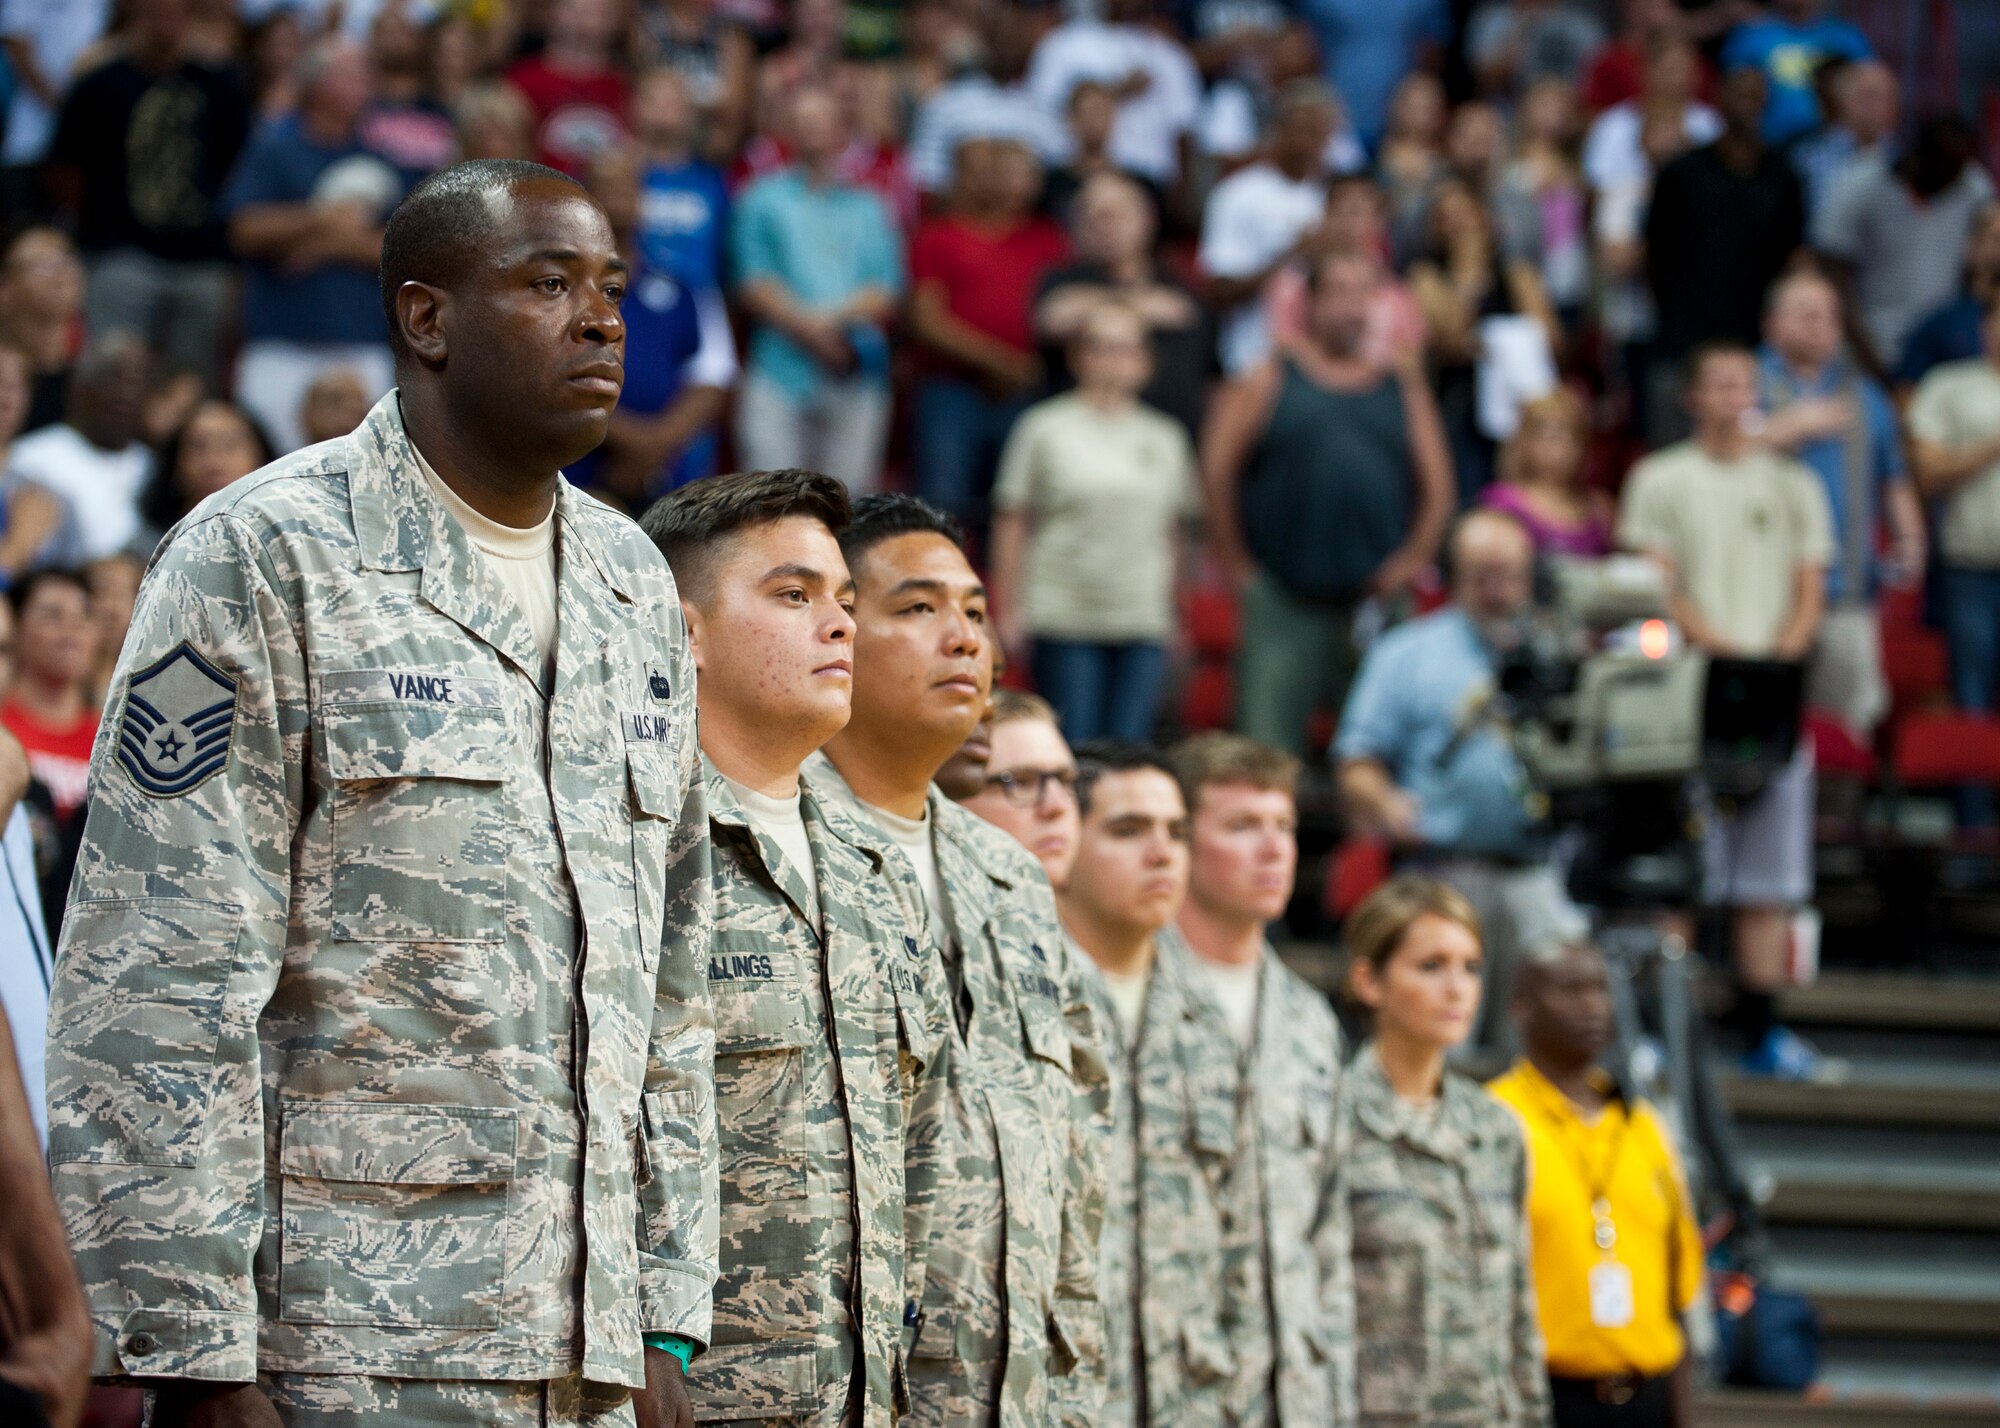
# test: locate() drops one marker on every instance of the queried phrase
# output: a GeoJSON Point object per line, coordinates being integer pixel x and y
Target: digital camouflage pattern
{"type": "Point", "coordinates": [1170, 1141]}
{"type": "Point", "coordinates": [830, 1016]}
{"type": "Point", "coordinates": [1444, 1305]}
{"type": "Point", "coordinates": [1009, 1312]}
{"type": "Point", "coordinates": [342, 1400]}
{"type": "Point", "coordinates": [377, 1050]}
{"type": "Point", "coordinates": [1285, 1234]}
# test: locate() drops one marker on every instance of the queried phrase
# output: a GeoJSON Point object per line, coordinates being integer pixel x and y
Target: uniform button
{"type": "Point", "coordinates": [141, 1345]}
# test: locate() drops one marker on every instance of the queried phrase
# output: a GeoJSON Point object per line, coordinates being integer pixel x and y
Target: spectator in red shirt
{"type": "Point", "coordinates": [49, 709]}
{"type": "Point", "coordinates": [974, 272]}
{"type": "Point", "coordinates": [1618, 73]}
{"type": "Point", "coordinates": [575, 86]}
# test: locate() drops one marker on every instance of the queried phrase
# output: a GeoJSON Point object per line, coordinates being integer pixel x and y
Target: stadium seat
{"type": "Point", "coordinates": [1938, 748]}
{"type": "Point", "coordinates": [1358, 867]}
{"type": "Point", "coordinates": [1836, 751]}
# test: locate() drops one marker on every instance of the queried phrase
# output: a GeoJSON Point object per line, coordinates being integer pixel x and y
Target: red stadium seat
{"type": "Point", "coordinates": [1212, 621]}
{"type": "Point", "coordinates": [1939, 748]}
{"type": "Point", "coordinates": [1357, 867]}
{"type": "Point", "coordinates": [1913, 654]}
{"type": "Point", "coordinates": [1836, 751]}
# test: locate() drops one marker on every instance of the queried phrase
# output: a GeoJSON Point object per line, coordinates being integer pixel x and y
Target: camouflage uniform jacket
{"type": "Point", "coordinates": [828, 1023]}
{"type": "Point", "coordinates": [1172, 1136]}
{"type": "Point", "coordinates": [376, 1049]}
{"type": "Point", "coordinates": [1010, 1294]}
{"type": "Point", "coordinates": [1444, 1305]}
{"type": "Point", "coordinates": [1285, 1227]}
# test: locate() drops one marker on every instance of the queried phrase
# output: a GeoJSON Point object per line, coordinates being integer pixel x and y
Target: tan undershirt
{"type": "Point", "coordinates": [525, 561]}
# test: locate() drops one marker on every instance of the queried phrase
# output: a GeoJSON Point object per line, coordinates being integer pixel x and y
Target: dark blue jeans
{"type": "Point", "coordinates": [1971, 609]}
{"type": "Point", "coordinates": [959, 433]}
{"type": "Point", "coordinates": [1102, 690]}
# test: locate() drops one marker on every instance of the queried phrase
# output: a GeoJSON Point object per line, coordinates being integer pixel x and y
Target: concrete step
{"type": "Point", "coordinates": [1898, 1284]}
{"type": "Point", "coordinates": [1922, 1003]}
{"type": "Point", "coordinates": [1963, 1375]}
{"type": "Point", "coordinates": [1892, 1177]}
{"type": "Point", "coordinates": [1904, 1091]}
{"type": "Point", "coordinates": [1748, 1408]}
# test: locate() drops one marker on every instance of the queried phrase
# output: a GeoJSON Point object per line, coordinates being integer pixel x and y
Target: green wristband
{"type": "Point", "coordinates": [680, 1348]}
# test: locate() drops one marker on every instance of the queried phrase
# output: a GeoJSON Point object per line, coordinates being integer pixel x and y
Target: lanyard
{"type": "Point", "coordinates": [1603, 1231]}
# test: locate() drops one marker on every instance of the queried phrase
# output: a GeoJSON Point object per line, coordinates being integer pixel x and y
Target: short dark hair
{"type": "Point", "coordinates": [29, 581]}
{"type": "Point", "coordinates": [444, 219]}
{"type": "Point", "coordinates": [691, 525]}
{"type": "Point", "coordinates": [884, 515]}
{"type": "Point", "coordinates": [1715, 347]}
{"type": "Point", "coordinates": [1097, 757]}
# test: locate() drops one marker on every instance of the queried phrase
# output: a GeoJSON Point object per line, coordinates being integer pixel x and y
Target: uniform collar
{"type": "Point", "coordinates": [1449, 1134]}
{"type": "Point", "coordinates": [401, 526]}
{"type": "Point", "coordinates": [824, 823]}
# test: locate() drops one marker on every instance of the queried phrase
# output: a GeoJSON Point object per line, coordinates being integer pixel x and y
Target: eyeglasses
{"type": "Point", "coordinates": [1026, 788]}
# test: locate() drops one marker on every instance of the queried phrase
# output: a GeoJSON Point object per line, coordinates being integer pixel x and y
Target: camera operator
{"type": "Point", "coordinates": [1745, 536]}
{"type": "Point", "coordinates": [1425, 764]}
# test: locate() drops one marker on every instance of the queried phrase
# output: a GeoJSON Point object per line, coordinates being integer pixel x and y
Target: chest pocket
{"type": "Point", "coordinates": [762, 1030]}
{"type": "Point", "coordinates": [420, 822]}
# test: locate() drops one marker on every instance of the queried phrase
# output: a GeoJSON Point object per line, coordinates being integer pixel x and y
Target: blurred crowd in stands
{"type": "Point", "coordinates": [1208, 319]}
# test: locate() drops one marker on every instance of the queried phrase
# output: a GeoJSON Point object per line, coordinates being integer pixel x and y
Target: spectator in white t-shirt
{"type": "Point", "coordinates": [1266, 216]}
{"type": "Point", "coordinates": [94, 460]}
{"type": "Point", "coordinates": [1158, 86]}
{"type": "Point", "coordinates": [1613, 156]}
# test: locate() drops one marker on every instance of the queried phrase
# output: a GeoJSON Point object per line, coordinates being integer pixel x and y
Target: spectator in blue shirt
{"type": "Point", "coordinates": [680, 361]}
{"type": "Point", "coordinates": [1789, 45]}
{"type": "Point", "coordinates": [1824, 410]}
{"type": "Point", "coordinates": [682, 204]}
{"type": "Point", "coordinates": [1425, 766]}
{"type": "Point", "coordinates": [818, 268]}
{"type": "Point", "coordinates": [1367, 46]}
{"type": "Point", "coordinates": [306, 206]}
{"type": "Point", "coordinates": [1952, 332]}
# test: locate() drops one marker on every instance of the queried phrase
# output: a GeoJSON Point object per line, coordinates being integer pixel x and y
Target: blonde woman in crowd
{"type": "Point", "coordinates": [1434, 1177]}
{"type": "Point", "coordinates": [1540, 483]}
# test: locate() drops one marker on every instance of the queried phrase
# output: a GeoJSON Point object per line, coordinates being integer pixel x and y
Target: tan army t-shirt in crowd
{"type": "Point", "coordinates": [1737, 531]}
{"type": "Point", "coordinates": [1958, 404]}
{"type": "Point", "coordinates": [1105, 494]}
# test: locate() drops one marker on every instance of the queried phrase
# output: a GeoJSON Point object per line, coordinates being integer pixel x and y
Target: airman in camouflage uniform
{"type": "Point", "coordinates": [1170, 1139]}
{"type": "Point", "coordinates": [1285, 1227]}
{"type": "Point", "coordinates": [380, 1041]}
{"type": "Point", "coordinates": [829, 1021]}
{"type": "Point", "coordinates": [1010, 1296]}
{"type": "Point", "coordinates": [1444, 1307]}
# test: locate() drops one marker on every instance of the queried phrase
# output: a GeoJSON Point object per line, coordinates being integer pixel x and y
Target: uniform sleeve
{"type": "Point", "coordinates": [1333, 1247]}
{"type": "Point", "coordinates": [680, 1216]}
{"type": "Point", "coordinates": [1336, 1248]}
{"type": "Point", "coordinates": [171, 949]}
{"type": "Point", "coordinates": [926, 1109]}
{"type": "Point", "coordinates": [1079, 1309]}
{"type": "Point", "coordinates": [1530, 1365]}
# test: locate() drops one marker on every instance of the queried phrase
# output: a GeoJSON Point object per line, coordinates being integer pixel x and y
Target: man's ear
{"type": "Point", "coordinates": [421, 316]}
{"type": "Point", "coordinates": [692, 613]}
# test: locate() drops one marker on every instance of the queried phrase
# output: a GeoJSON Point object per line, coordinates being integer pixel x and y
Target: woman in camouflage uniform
{"type": "Point", "coordinates": [1434, 1174]}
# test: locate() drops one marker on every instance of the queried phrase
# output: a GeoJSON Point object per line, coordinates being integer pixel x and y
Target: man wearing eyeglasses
{"type": "Point", "coordinates": [1028, 786]}
{"type": "Point", "coordinates": [1009, 1318]}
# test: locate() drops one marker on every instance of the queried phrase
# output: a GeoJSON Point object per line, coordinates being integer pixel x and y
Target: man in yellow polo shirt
{"type": "Point", "coordinates": [1616, 1254]}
